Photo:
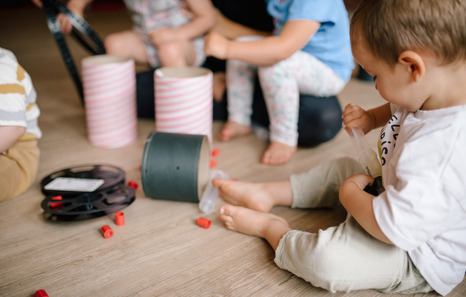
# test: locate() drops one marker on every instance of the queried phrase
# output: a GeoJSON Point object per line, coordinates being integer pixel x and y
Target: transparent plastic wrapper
{"type": "Point", "coordinates": [367, 157]}
{"type": "Point", "coordinates": [210, 196]}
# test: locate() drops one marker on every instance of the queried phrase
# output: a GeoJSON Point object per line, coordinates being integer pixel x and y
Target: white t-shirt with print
{"type": "Point", "coordinates": [423, 208]}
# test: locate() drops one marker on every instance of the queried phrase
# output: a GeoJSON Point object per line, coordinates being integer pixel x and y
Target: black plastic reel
{"type": "Point", "coordinates": [87, 206]}
{"type": "Point", "coordinates": [111, 175]}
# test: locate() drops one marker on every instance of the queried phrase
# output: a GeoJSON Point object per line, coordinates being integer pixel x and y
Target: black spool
{"type": "Point", "coordinates": [88, 205]}
{"type": "Point", "coordinates": [111, 175]}
{"type": "Point", "coordinates": [112, 196]}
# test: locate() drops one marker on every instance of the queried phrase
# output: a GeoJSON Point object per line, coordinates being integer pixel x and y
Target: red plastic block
{"type": "Point", "coordinates": [215, 152]}
{"type": "Point", "coordinates": [213, 163]}
{"type": "Point", "coordinates": [107, 231]}
{"type": "Point", "coordinates": [119, 218]}
{"type": "Point", "coordinates": [56, 204]}
{"type": "Point", "coordinates": [204, 223]}
{"type": "Point", "coordinates": [41, 293]}
{"type": "Point", "coordinates": [133, 184]}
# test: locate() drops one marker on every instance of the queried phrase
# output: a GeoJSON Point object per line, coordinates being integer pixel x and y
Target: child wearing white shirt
{"type": "Point", "coordinates": [412, 237]}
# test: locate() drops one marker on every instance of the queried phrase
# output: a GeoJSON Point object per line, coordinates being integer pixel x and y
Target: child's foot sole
{"type": "Point", "coordinates": [248, 221]}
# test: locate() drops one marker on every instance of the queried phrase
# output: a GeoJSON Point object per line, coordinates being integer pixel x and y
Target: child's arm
{"type": "Point", "coordinates": [354, 116]}
{"type": "Point", "coordinates": [359, 204]}
{"type": "Point", "coordinates": [352, 195]}
{"type": "Point", "coordinates": [9, 135]}
{"type": "Point", "coordinates": [268, 51]}
{"type": "Point", "coordinates": [203, 20]}
{"type": "Point", "coordinates": [232, 30]}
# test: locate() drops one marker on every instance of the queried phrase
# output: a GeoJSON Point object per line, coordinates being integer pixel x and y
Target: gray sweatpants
{"type": "Point", "coordinates": [345, 257]}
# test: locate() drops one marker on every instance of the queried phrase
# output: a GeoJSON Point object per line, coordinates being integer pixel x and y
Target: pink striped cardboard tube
{"type": "Point", "coordinates": [109, 84]}
{"type": "Point", "coordinates": [183, 100]}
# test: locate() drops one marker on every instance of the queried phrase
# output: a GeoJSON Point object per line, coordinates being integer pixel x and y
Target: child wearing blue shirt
{"type": "Point", "coordinates": [309, 53]}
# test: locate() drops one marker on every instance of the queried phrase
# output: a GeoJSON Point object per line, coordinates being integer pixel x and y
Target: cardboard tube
{"type": "Point", "coordinates": [109, 85]}
{"type": "Point", "coordinates": [175, 166]}
{"type": "Point", "coordinates": [183, 100]}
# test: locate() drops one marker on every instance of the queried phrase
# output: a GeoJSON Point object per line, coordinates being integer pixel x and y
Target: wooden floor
{"type": "Point", "coordinates": [160, 251]}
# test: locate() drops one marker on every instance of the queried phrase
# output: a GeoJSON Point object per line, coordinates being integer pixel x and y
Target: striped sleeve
{"type": "Point", "coordinates": [17, 96]}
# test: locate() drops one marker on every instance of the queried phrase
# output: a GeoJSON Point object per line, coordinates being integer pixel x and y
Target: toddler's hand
{"type": "Point", "coordinates": [65, 24]}
{"type": "Point", "coordinates": [354, 116]}
{"type": "Point", "coordinates": [163, 35]}
{"type": "Point", "coordinates": [37, 3]}
{"type": "Point", "coordinates": [216, 45]}
{"type": "Point", "coordinates": [349, 189]}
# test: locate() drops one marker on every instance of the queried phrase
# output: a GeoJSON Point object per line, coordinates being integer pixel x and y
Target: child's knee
{"type": "Point", "coordinates": [272, 72]}
{"type": "Point", "coordinates": [315, 258]}
{"type": "Point", "coordinates": [170, 53]}
{"type": "Point", "coordinates": [326, 268]}
{"type": "Point", "coordinates": [113, 43]}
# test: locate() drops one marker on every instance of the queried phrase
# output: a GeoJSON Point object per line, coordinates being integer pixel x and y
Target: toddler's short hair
{"type": "Point", "coordinates": [390, 27]}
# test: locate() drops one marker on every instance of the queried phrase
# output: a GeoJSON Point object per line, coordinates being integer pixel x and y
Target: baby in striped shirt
{"type": "Point", "coordinates": [19, 132]}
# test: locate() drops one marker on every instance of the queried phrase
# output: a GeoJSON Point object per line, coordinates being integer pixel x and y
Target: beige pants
{"type": "Point", "coordinates": [18, 168]}
{"type": "Point", "coordinates": [345, 257]}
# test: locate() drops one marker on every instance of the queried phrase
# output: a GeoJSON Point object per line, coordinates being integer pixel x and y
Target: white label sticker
{"type": "Point", "coordinates": [74, 184]}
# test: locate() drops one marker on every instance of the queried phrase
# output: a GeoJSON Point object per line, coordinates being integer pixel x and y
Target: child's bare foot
{"type": "Point", "coordinates": [278, 153]}
{"type": "Point", "coordinates": [248, 221]}
{"type": "Point", "coordinates": [250, 195]}
{"type": "Point", "coordinates": [232, 129]}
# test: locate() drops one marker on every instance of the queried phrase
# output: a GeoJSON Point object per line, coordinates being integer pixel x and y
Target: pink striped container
{"type": "Point", "coordinates": [183, 100]}
{"type": "Point", "coordinates": [109, 84]}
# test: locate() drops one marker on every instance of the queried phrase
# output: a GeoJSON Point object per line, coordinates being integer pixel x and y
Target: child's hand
{"type": "Point", "coordinates": [216, 45]}
{"type": "Point", "coordinates": [354, 116]}
{"type": "Point", "coordinates": [37, 3]}
{"type": "Point", "coordinates": [75, 7]}
{"type": "Point", "coordinates": [163, 35]}
{"type": "Point", "coordinates": [360, 180]}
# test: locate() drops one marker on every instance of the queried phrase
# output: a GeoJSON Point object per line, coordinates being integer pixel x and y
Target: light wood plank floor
{"type": "Point", "coordinates": [160, 251]}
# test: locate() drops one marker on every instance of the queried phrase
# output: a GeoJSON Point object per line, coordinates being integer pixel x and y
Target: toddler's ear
{"type": "Point", "coordinates": [414, 64]}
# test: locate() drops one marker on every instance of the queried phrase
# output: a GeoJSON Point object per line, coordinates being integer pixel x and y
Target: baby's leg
{"type": "Point", "coordinates": [347, 258]}
{"type": "Point", "coordinates": [316, 188]}
{"type": "Point", "coordinates": [240, 87]}
{"type": "Point", "coordinates": [250, 222]}
{"type": "Point", "coordinates": [320, 186]}
{"type": "Point", "coordinates": [256, 196]}
{"type": "Point", "coordinates": [18, 168]}
{"type": "Point", "coordinates": [126, 44]}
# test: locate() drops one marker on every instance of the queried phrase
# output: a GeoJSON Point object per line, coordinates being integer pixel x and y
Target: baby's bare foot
{"type": "Point", "coordinates": [248, 221]}
{"type": "Point", "coordinates": [232, 129]}
{"type": "Point", "coordinates": [278, 153]}
{"type": "Point", "coordinates": [250, 195]}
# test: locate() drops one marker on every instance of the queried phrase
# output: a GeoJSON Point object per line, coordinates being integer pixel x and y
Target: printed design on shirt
{"type": "Point", "coordinates": [388, 137]}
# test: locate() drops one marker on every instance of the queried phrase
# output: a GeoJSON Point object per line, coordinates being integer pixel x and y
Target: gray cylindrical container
{"type": "Point", "coordinates": [175, 166]}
